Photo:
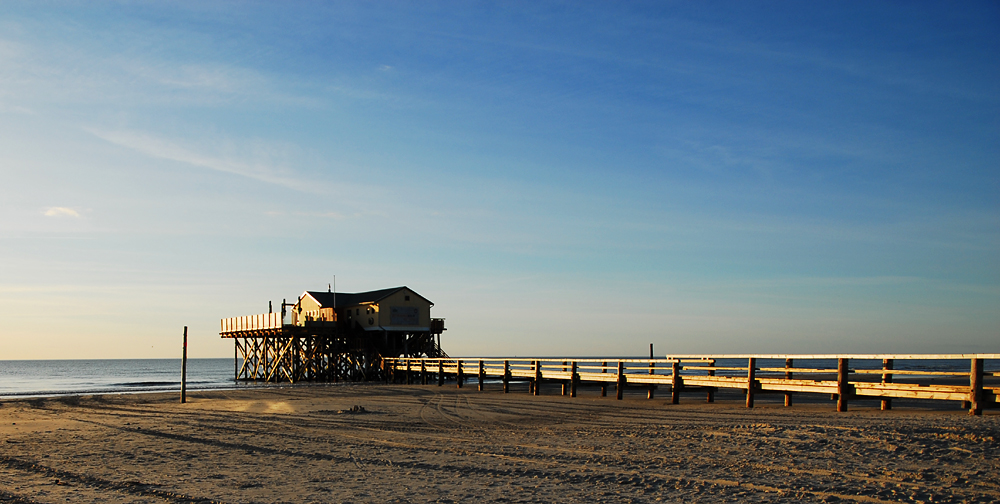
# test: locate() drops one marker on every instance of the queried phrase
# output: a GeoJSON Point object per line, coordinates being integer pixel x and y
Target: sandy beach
{"type": "Point", "coordinates": [431, 444]}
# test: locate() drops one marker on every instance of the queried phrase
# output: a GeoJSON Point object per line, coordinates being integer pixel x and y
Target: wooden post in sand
{"type": "Point", "coordinates": [620, 387]}
{"type": "Point", "coordinates": [440, 372]}
{"type": "Point", "coordinates": [482, 374]}
{"type": "Point", "coordinates": [843, 386]}
{"type": "Point", "coordinates": [565, 383]}
{"type": "Point", "coordinates": [788, 376]}
{"type": "Point", "coordinates": [573, 379]}
{"type": "Point", "coordinates": [886, 378]}
{"type": "Point", "coordinates": [711, 390]}
{"type": "Point", "coordinates": [649, 393]}
{"type": "Point", "coordinates": [538, 377]}
{"type": "Point", "coordinates": [604, 385]}
{"type": "Point", "coordinates": [423, 372]}
{"type": "Point", "coordinates": [976, 387]}
{"type": "Point", "coordinates": [751, 379]}
{"type": "Point", "coordinates": [506, 376]}
{"type": "Point", "coordinates": [407, 371]}
{"type": "Point", "coordinates": [458, 373]}
{"type": "Point", "coordinates": [676, 383]}
{"type": "Point", "coordinates": [184, 367]}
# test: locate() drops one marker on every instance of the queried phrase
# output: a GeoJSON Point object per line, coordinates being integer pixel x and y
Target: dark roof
{"type": "Point", "coordinates": [326, 299]}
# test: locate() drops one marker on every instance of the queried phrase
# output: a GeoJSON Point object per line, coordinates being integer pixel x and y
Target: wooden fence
{"type": "Point", "coordinates": [843, 376]}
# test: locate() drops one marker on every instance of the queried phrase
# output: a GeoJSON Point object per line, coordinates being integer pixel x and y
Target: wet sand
{"type": "Point", "coordinates": [431, 444]}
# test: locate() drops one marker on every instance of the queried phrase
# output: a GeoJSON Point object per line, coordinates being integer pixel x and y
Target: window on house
{"type": "Point", "coordinates": [407, 298]}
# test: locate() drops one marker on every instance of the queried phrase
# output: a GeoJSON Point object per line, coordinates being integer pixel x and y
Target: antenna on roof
{"type": "Point", "coordinates": [335, 292]}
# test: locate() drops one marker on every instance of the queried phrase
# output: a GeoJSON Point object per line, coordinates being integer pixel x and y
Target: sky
{"type": "Point", "coordinates": [559, 178]}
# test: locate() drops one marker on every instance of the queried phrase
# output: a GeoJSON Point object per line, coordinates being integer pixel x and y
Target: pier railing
{"type": "Point", "coordinates": [259, 322]}
{"type": "Point", "coordinates": [845, 377]}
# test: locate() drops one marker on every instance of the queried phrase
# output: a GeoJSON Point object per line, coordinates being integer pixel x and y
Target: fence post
{"type": "Point", "coordinates": [407, 371]}
{"type": "Point", "coordinates": [458, 373]}
{"type": "Point", "coordinates": [574, 378]}
{"type": "Point", "coordinates": [622, 381]}
{"type": "Point", "coordinates": [676, 383]}
{"type": "Point", "coordinates": [751, 380]}
{"type": "Point", "coordinates": [843, 384]}
{"type": "Point", "coordinates": [423, 372]}
{"type": "Point", "coordinates": [440, 372]}
{"type": "Point", "coordinates": [506, 376]}
{"type": "Point", "coordinates": [788, 376]}
{"type": "Point", "coordinates": [976, 387]}
{"type": "Point", "coordinates": [886, 378]}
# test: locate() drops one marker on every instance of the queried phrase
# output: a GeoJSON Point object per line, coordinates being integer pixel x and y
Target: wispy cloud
{"type": "Point", "coordinates": [172, 150]}
{"type": "Point", "coordinates": [61, 212]}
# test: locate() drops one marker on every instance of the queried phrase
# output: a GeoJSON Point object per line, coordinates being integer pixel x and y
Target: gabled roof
{"type": "Point", "coordinates": [326, 299]}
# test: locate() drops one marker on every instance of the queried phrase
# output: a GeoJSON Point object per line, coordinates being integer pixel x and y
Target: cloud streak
{"type": "Point", "coordinates": [61, 212]}
{"type": "Point", "coordinates": [170, 150]}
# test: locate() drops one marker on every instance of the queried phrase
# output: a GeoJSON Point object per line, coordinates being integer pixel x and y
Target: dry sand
{"type": "Point", "coordinates": [431, 444]}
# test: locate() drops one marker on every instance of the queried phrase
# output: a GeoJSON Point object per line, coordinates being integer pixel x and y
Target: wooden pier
{"type": "Point", "coordinates": [843, 377]}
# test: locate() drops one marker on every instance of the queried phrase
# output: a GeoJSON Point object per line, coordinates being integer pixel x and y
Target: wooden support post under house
{"type": "Point", "coordinates": [652, 388]}
{"type": "Point", "coordinates": [506, 376]}
{"type": "Point", "coordinates": [711, 390]}
{"type": "Point", "coordinates": [574, 378]}
{"type": "Point", "coordinates": [843, 385]}
{"type": "Point", "coordinates": [565, 383]}
{"type": "Point", "coordinates": [886, 378]}
{"type": "Point", "coordinates": [482, 374]}
{"type": "Point", "coordinates": [440, 372]}
{"type": "Point", "coordinates": [976, 387]}
{"type": "Point", "coordinates": [184, 367]}
{"type": "Point", "coordinates": [458, 373]}
{"type": "Point", "coordinates": [788, 376]}
{"type": "Point", "coordinates": [407, 371]}
{"type": "Point", "coordinates": [622, 381]}
{"type": "Point", "coordinates": [751, 380]}
{"type": "Point", "coordinates": [538, 377]}
{"type": "Point", "coordinates": [423, 372]}
{"type": "Point", "coordinates": [676, 383]}
{"type": "Point", "coordinates": [604, 385]}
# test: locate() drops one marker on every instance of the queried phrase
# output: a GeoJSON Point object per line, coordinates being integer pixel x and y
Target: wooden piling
{"type": "Point", "coordinates": [751, 380]}
{"type": "Point", "coordinates": [440, 372]}
{"type": "Point", "coordinates": [676, 383]}
{"type": "Point", "coordinates": [976, 388]}
{"type": "Point", "coordinates": [482, 374]}
{"type": "Point", "coordinates": [649, 393]}
{"type": "Point", "coordinates": [711, 390]}
{"type": "Point", "coordinates": [538, 377]}
{"type": "Point", "coordinates": [573, 380]}
{"type": "Point", "coordinates": [604, 385]}
{"type": "Point", "coordinates": [622, 381]}
{"type": "Point", "coordinates": [458, 373]}
{"type": "Point", "coordinates": [843, 385]}
{"type": "Point", "coordinates": [184, 367]}
{"type": "Point", "coordinates": [506, 376]}
{"type": "Point", "coordinates": [886, 378]}
{"type": "Point", "coordinates": [788, 376]}
{"type": "Point", "coordinates": [407, 380]}
{"type": "Point", "coordinates": [423, 372]}
{"type": "Point", "coordinates": [565, 383]}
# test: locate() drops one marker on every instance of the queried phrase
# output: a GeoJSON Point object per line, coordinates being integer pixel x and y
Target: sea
{"type": "Point", "coordinates": [41, 378]}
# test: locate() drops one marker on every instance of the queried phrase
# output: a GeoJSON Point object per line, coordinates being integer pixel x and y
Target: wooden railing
{"type": "Point", "coordinates": [874, 376]}
{"type": "Point", "coordinates": [251, 323]}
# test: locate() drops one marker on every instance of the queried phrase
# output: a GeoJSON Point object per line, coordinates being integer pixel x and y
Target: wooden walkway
{"type": "Point", "coordinates": [843, 376]}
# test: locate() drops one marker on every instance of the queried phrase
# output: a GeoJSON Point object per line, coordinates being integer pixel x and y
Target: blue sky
{"type": "Point", "coordinates": [564, 178]}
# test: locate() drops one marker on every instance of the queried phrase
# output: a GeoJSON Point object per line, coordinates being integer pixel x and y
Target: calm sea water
{"type": "Point", "coordinates": [60, 377]}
